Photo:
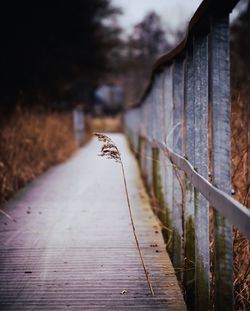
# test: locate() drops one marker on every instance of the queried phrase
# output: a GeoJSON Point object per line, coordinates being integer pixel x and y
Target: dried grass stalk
{"type": "Point", "coordinates": [110, 150]}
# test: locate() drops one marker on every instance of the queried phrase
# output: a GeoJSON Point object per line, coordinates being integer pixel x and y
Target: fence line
{"type": "Point", "coordinates": [234, 211]}
{"type": "Point", "coordinates": [183, 119]}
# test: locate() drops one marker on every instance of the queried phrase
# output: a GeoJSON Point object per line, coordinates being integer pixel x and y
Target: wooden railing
{"type": "Point", "coordinates": [181, 132]}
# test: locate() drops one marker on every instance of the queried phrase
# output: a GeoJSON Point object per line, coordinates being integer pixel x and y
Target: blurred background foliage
{"type": "Point", "coordinates": [53, 50]}
{"type": "Point", "coordinates": [56, 53]}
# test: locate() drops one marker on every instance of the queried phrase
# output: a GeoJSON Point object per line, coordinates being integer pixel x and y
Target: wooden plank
{"type": "Point", "coordinates": [162, 186]}
{"type": "Point", "coordinates": [142, 157]}
{"type": "Point", "coordinates": [158, 106]}
{"type": "Point", "coordinates": [149, 153]}
{"type": "Point", "coordinates": [147, 115]}
{"type": "Point", "coordinates": [158, 168]}
{"type": "Point", "coordinates": [154, 107]}
{"type": "Point", "coordinates": [136, 129]}
{"type": "Point", "coordinates": [149, 157]}
{"type": "Point", "coordinates": [75, 250]}
{"type": "Point", "coordinates": [200, 55]}
{"type": "Point", "coordinates": [221, 159]}
{"type": "Point", "coordinates": [156, 134]}
{"type": "Point", "coordinates": [168, 125]}
{"type": "Point", "coordinates": [128, 118]}
{"type": "Point", "coordinates": [169, 106]}
{"type": "Point", "coordinates": [151, 110]}
{"type": "Point", "coordinates": [177, 244]}
{"type": "Point", "coordinates": [189, 220]}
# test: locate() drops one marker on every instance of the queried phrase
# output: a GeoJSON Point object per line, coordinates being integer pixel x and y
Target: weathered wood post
{"type": "Point", "coordinates": [143, 140]}
{"type": "Point", "coordinates": [200, 55]}
{"type": "Point", "coordinates": [221, 158]}
{"type": "Point", "coordinates": [162, 159]}
{"type": "Point", "coordinates": [178, 91]}
{"type": "Point", "coordinates": [168, 125]}
{"type": "Point", "coordinates": [158, 156]}
{"type": "Point", "coordinates": [148, 145]}
{"type": "Point", "coordinates": [155, 150]}
{"type": "Point", "coordinates": [189, 221]}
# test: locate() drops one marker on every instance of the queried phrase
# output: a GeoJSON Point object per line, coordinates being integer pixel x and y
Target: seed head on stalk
{"type": "Point", "coordinates": [109, 149]}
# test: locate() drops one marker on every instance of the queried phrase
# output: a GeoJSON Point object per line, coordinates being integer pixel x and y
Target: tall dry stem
{"type": "Point", "coordinates": [110, 150]}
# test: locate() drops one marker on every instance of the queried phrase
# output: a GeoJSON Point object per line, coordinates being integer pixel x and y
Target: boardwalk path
{"type": "Point", "coordinates": [72, 247]}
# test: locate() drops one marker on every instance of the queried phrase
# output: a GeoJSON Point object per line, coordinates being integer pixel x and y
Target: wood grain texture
{"type": "Point", "coordinates": [72, 248]}
{"type": "Point", "coordinates": [200, 58]}
{"type": "Point", "coordinates": [168, 125]}
{"type": "Point", "coordinates": [189, 210]}
{"type": "Point", "coordinates": [178, 94]}
{"type": "Point", "coordinates": [221, 158]}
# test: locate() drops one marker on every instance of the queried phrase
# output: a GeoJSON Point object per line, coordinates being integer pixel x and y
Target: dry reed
{"type": "Point", "coordinates": [110, 150]}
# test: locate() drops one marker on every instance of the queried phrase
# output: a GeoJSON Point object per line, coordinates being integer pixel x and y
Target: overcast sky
{"type": "Point", "coordinates": [172, 12]}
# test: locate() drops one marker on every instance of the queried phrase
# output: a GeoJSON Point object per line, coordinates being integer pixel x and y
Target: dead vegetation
{"type": "Point", "coordinates": [104, 124]}
{"type": "Point", "coordinates": [241, 187]}
{"type": "Point", "coordinates": [30, 142]}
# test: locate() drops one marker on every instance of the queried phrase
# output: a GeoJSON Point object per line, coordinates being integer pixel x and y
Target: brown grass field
{"type": "Point", "coordinates": [31, 142]}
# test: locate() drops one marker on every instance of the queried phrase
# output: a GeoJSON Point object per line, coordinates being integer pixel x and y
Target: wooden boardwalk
{"type": "Point", "coordinates": [72, 248]}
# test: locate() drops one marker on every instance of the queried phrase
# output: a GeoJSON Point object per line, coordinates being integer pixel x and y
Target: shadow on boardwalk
{"type": "Point", "coordinates": [72, 247]}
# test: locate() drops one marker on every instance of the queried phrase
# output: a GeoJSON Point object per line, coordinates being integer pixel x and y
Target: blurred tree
{"type": "Point", "coordinates": [146, 43]}
{"type": "Point", "coordinates": [53, 50]}
{"type": "Point", "coordinates": [149, 39]}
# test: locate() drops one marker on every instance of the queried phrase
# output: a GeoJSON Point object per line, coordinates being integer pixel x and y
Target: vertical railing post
{"type": "Point", "coordinates": [162, 159]}
{"type": "Point", "coordinates": [189, 221]}
{"type": "Point", "coordinates": [143, 141]}
{"type": "Point", "coordinates": [158, 156]}
{"type": "Point", "coordinates": [221, 158]}
{"type": "Point", "coordinates": [200, 54]}
{"type": "Point", "coordinates": [168, 125]}
{"type": "Point", "coordinates": [156, 183]}
{"type": "Point", "coordinates": [148, 145]}
{"type": "Point", "coordinates": [178, 92]}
